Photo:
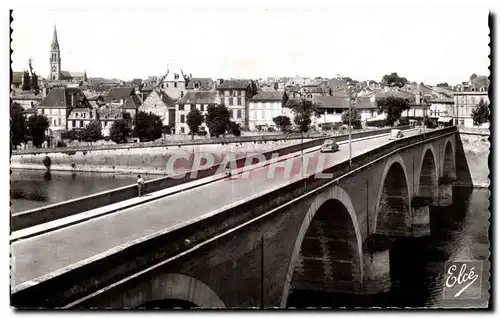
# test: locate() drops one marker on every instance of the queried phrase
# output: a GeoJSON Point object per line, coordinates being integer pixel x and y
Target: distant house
{"type": "Point", "coordinates": [26, 99]}
{"type": "Point", "coordinates": [235, 94]}
{"type": "Point", "coordinates": [263, 107]}
{"type": "Point", "coordinates": [331, 108]}
{"type": "Point", "coordinates": [107, 116]}
{"type": "Point", "coordinates": [118, 95]}
{"type": "Point", "coordinates": [199, 100]}
{"type": "Point", "coordinates": [160, 104]}
{"type": "Point", "coordinates": [366, 108]}
{"type": "Point", "coordinates": [17, 80]}
{"type": "Point", "coordinates": [174, 83]}
{"type": "Point", "coordinates": [79, 118]}
{"type": "Point", "coordinates": [465, 103]}
{"type": "Point", "coordinates": [58, 105]}
{"type": "Point", "coordinates": [131, 105]}
{"type": "Point", "coordinates": [200, 84]}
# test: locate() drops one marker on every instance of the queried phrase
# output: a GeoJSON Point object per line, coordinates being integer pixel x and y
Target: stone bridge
{"type": "Point", "coordinates": [327, 234]}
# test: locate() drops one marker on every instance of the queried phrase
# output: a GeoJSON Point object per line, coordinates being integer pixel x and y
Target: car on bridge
{"type": "Point", "coordinates": [330, 145]}
{"type": "Point", "coordinates": [396, 134]}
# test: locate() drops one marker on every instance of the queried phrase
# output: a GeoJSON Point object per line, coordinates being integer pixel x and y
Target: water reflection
{"type": "Point", "coordinates": [33, 189]}
{"type": "Point", "coordinates": [458, 232]}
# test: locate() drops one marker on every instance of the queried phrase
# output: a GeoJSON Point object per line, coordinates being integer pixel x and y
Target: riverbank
{"type": "Point", "coordinates": [477, 150]}
{"type": "Point", "coordinates": [151, 160]}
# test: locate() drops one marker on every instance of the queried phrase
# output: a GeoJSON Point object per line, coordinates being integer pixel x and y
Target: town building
{"type": "Point", "coordinates": [160, 104]}
{"type": "Point", "coordinates": [366, 108]}
{"type": "Point", "coordinates": [331, 108]}
{"type": "Point", "coordinates": [200, 100]}
{"type": "Point", "coordinates": [464, 103]}
{"type": "Point", "coordinates": [131, 105]}
{"type": "Point", "coordinates": [58, 105]}
{"type": "Point", "coordinates": [200, 84]}
{"type": "Point", "coordinates": [118, 95]}
{"type": "Point", "coordinates": [107, 117]}
{"type": "Point", "coordinates": [27, 99]}
{"type": "Point", "coordinates": [174, 83]}
{"type": "Point", "coordinates": [235, 94]}
{"type": "Point", "coordinates": [263, 107]}
{"type": "Point", "coordinates": [79, 118]}
{"type": "Point", "coordinates": [56, 73]}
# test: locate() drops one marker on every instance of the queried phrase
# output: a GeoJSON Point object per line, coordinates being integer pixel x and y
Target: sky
{"type": "Point", "coordinates": [424, 43]}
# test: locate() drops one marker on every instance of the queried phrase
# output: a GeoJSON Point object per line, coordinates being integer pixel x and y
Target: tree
{"type": "Point", "coordinates": [393, 107]}
{"type": "Point", "coordinates": [34, 82]}
{"type": "Point", "coordinates": [36, 127]}
{"type": "Point", "coordinates": [26, 81]}
{"type": "Point", "coordinates": [355, 118]}
{"type": "Point", "coordinates": [120, 131]}
{"type": "Point", "coordinates": [393, 79]}
{"type": "Point", "coordinates": [481, 112]}
{"type": "Point", "coordinates": [17, 125]}
{"type": "Point", "coordinates": [234, 128]}
{"type": "Point", "coordinates": [303, 109]}
{"type": "Point", "coordinates": [217, 119]}
{"type": "Point", "coordinates": [93, 131]}
{"type": "Point", "coordinates": [194, 119]}
{"type": "Point", "coordinates": [472, 77]}
{"type": "Point", "coordinates": [445, 84]}
{"type": "Point", "coordinates": [148, 126]}
{"type": "Point", "coordinates": [282, 122]}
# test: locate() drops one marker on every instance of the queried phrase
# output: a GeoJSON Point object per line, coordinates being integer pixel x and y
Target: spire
{"type": "Point", "coordinates": [55, 43]}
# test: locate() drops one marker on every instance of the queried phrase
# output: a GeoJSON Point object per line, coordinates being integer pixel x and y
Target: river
{"type": "Point", "coordinates": [32, 189]}
{"type": "Point", "coordinates": [458, 232]}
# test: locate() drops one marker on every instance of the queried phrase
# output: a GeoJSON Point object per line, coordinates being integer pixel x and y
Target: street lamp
{"type": "Point", "coordinates": [350, 146]}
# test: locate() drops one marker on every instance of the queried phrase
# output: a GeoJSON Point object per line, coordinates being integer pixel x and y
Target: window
{"type": "Point", "coordinates": [175, 84]}
{"type": "Point", "coordinates": [239, 101]}
{"type": "Point", "coordinates": [183, 118]}
{"type": "Point", "coordinates": [55, 123]}
{"type": "Point", "coordinates": [181, 107]}
{"type": "Point", "coordinates": [182, 130]}
{"type": "Point", "coordinates": [73, 122]}
{"type": "Point", "coordinates": [81, 123]}
{"type": "Point", "coordinates": [230, 114]}
{"type": "Point", "coordinates": [196, 85]}
{"type": "Point", "coordinates": [239, 93]}
{"type": "Point", "coordinates": [230, 101]}
{"type": "Point", "coordinates": [238, 113]}
{"type": "Point", "coordinates": [84, 115]}
{"type": "Point", "coordinates": [202, 108]}
{"type": "Point", "coordinates": [43, 111]}
{"type": "Point", "coordinates": [338, 110]}
{"type": "Point", "coordinates": [59, 121]}
{"type": "Point", "coordinates": [461, 122]}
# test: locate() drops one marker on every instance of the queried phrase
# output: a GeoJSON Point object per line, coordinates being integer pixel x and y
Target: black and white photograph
{"type": "Point", "coordinates": [217, 156]}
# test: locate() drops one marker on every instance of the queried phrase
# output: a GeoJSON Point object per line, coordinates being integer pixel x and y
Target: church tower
{"type": "Point", "coordinates": [55, 58]}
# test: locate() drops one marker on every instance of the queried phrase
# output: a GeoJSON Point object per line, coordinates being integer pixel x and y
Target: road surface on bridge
{"type": "Point", "coordinates": [40, 257]}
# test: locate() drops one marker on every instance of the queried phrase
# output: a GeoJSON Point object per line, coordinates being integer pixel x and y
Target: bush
{"type": "Point", "coordinates": [61, 144]}
{"type": "Point", "coordinates": [404, 121]}
{"type": "Point", "coordinates": [430, 123]}
{"type": "Point", "coordinates": [377, 123]}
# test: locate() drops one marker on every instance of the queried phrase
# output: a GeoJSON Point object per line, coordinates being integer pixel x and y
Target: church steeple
{"type": "Point", "coordinates": [55, 58]}
{"type": "Point", "coordinates": [55, 43]}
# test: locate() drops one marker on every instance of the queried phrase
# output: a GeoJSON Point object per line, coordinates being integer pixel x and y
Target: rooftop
{"type": "Point", "coordinates": [118, 93]}
{"type": "Point", "coordinates": [60, 97]}
{"type": "Point", "coordinates": [268, 96]}
{"type": "Point", "coordinates": [331, 101]}
{"type": "Point", "coordinates": [199, 98]}
{"type": "Point", "coordinates": [235, 84]}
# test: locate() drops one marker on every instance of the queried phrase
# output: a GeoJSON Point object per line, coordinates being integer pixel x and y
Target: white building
{"type": "Point", "coordinates": [160, 104]}
{"type": "Point", "coordinates": [465, 103]}
{"type": "Point", "coordinates": [265, 106]}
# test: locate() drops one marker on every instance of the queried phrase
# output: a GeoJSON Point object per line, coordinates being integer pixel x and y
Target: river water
{"type": "Point", "coordinates": [458, 232]}
{"type": "Point", "coordinates": [32, 189]}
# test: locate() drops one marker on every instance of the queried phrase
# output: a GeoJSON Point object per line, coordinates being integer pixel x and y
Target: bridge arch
{"type": "Point", "coordinates": [427, 185]}
{"type": "Point", "coordinates": [448, 161]}
{"type": "Point", "coordinates": [331, 211]}
{"type": "Point", "coordinates": [175, 289]}
{"type": "Point", "coordinates": [393, 213]}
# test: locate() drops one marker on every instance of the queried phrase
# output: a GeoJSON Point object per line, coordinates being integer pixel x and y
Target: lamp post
{"type": "Point", "coordinates": [350, 146]}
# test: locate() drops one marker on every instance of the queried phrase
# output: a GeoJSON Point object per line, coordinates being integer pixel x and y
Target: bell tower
{"type": "Point", "coordinates": [55, 58]}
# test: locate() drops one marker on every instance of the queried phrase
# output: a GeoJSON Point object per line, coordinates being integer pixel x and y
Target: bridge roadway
{"type": "Point", "coordinates": [40, 257]}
